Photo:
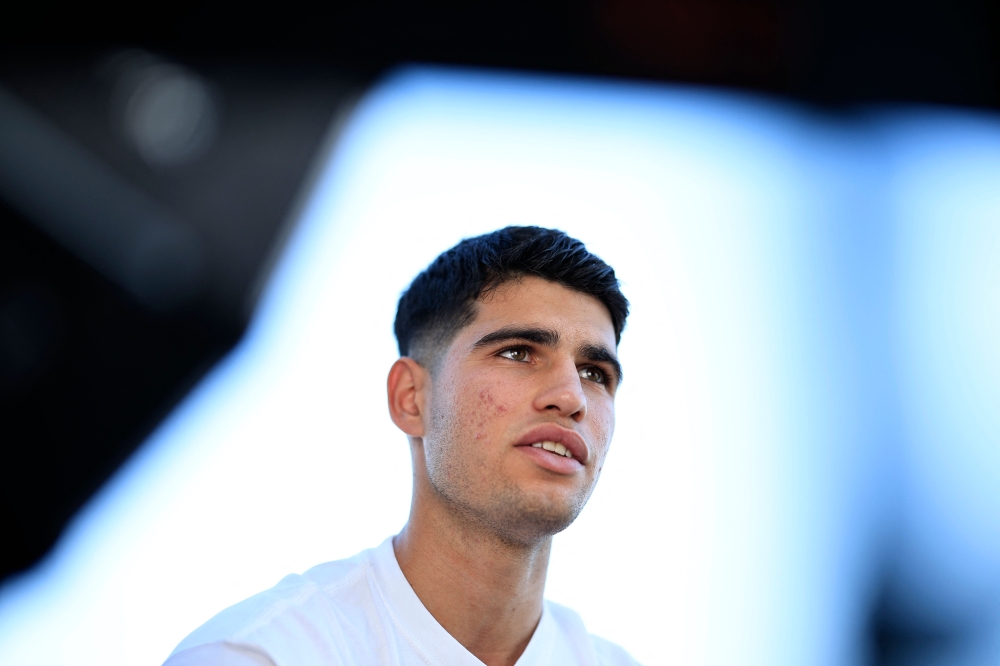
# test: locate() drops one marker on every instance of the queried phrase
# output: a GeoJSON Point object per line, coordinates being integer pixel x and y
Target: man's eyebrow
{"type": "Point", "coordinates": [601, 354]}
{"type": "Point", "coordinates": [540, 336]}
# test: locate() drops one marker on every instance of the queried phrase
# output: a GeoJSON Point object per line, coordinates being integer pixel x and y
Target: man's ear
{"type": "Point", "coordinates": [407, 387]}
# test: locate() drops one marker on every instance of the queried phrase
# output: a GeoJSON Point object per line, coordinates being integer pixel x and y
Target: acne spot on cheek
{"type": "Point", "coordinates": [486, 397]}
{"type": "Point", "coordinates": [489, 408]}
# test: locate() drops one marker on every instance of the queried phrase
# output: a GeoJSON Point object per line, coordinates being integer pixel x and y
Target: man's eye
{"type": "Point", "coordinates": [590, 373]}
{"type": "Point", "coordinates": [515, 354]}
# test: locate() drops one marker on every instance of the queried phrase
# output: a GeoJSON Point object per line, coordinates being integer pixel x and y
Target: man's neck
{"type": "Point", "coordinates": [485, 592]}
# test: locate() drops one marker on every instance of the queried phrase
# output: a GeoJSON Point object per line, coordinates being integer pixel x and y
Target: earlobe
{"type": "Point", "coordinates": [406, 387]}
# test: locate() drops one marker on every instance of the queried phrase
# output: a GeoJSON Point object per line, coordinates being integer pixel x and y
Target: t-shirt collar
{"type": "Point", "coordinates": [425, 633]}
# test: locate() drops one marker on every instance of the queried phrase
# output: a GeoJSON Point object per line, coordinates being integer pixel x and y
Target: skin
{"type": "Point", "coordinates": [476, 546]}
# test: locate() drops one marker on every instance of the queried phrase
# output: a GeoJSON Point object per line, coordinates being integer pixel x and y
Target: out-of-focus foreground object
{"type": "Point", "coordinates": [941, 51]}
{"type": "Point", "coordinates": [141, 200]}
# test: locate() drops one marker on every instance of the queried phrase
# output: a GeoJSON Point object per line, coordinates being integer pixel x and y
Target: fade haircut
{"type": "Point", "coordinates": [442, 299]}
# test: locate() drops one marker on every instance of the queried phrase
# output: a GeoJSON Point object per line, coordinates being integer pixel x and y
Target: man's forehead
{"type": "Point", "coordinates": [534, 303]}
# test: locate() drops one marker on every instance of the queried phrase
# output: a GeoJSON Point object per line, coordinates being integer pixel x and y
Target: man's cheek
{"type": "Point", "coordinates": [603, 431]}
{"type": "Point", "coordinates": [485, 411]}
{"type": "Point", "coordinates": [491, 402]}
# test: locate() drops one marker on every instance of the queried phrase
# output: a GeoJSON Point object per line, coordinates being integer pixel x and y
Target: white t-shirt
{"type": "Point", "coordinates": [362, 610]}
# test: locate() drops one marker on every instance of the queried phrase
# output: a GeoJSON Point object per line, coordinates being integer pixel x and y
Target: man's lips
{"type": "Point", "coordinates": [551, 432]}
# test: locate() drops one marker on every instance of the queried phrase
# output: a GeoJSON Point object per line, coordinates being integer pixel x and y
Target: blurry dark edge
{"type": "Point", "coordinates": [342, 115]}
{"type": "Point", "coordinates": [90, 361]}
{"type": "Point", "coordinates": [824, 52]}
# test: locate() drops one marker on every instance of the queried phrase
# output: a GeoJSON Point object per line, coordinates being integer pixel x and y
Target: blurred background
{"type": "Point", "coordinates": [207, 215]}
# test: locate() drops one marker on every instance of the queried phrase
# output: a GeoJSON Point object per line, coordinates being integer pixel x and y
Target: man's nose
{"type": "Point", "coordinates": [562, 392]}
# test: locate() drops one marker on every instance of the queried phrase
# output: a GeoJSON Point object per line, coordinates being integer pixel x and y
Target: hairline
{"type": "Point", "coordinates": [441, 345]}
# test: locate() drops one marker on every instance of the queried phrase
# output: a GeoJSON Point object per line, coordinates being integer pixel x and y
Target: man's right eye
{"type": "Point", "coordinates": [515, 354]}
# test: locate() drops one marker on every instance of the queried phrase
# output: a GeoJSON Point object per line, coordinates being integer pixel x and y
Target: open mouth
{"type": "Point", "coordinates": [554, 447]}
{"type": "Point", "coordinates": [558, 441]}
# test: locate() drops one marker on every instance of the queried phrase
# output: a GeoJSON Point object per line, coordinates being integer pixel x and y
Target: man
{"type": "Point", "coordinates": [505, 388]}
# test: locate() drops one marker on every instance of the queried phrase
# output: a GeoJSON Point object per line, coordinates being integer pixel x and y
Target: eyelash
{"type": "Point", "coordinates": [603, 376]}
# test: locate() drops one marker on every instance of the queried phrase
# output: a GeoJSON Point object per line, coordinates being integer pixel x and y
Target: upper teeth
{"type": "Point", "coordinates": [554, 447]}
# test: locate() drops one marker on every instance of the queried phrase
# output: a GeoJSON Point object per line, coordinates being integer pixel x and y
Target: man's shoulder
{"type": "Point", "coordinates": [611, 654]}
{"type": "Point", "coordinates": [572, 627]}
{"type": "Point", "coordinates": [323, 598]}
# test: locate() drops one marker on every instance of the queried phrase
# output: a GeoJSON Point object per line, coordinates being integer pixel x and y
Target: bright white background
{"type": "Point", "coordinates": [742, 515]}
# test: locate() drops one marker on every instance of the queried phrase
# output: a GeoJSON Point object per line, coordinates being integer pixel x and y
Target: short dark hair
{"type": "Point", "coordinates": [441, 300]}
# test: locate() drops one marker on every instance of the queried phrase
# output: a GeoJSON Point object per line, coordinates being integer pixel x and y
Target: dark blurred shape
{"type": "Point", "coordinates": [141, 200]}
{"type": "Point", "coordinates": [85, 371]}
{"type": "Point", "coordinates": [742, 42]}
{"type": "Point", "coordinates": [95, 213]}
{"type": "Point", "coordinates": [169, 114]}
{"type": "Point", "coordinates": [898, 642]}
{"type": "Point", "coordinates": [30, 333]}
{"type": "Point", "coordinates": [826, 51]}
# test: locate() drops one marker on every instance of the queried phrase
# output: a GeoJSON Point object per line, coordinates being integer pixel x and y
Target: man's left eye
{"type": "Point", "coordinates": [590, 373]}
{"type": "Point", "coordinates": [515, 354]}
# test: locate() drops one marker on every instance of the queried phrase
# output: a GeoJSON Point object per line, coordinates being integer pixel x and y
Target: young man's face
{"type": "Point", "coordinates": [535, 370]}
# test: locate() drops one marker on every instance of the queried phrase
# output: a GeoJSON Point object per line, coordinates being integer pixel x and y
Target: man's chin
{"type": "Point", "coordinates": [520, 515]}
{"type": "Point", "coordinates": [530, 520]}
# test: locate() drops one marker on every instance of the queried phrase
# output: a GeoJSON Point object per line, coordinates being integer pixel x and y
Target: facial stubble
{"type": "Point", "coordinates": [478, 492]}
